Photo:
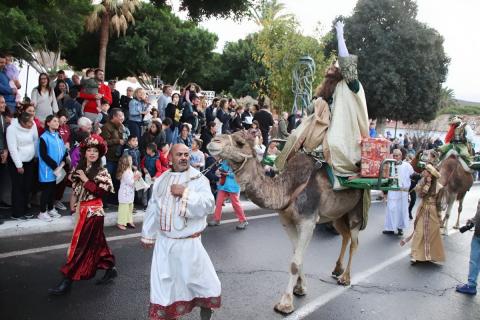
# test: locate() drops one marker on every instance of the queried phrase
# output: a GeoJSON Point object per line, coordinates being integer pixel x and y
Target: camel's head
{"type": "Point", "coordinates": [234, 148]}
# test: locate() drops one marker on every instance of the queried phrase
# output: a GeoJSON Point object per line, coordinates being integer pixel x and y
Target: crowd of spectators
{"type": "Point", "coordinates": [40, 135]}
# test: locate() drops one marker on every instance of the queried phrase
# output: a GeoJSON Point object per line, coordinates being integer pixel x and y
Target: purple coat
{"type": "Point", "coordinates": [75, 156]}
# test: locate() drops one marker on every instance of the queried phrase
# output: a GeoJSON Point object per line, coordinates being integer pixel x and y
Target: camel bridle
{"type": "Point", "coordinates": [245, 157]}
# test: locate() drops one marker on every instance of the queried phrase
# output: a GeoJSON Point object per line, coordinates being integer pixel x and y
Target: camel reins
{"type": "Point", "coordinates": [245, 157]}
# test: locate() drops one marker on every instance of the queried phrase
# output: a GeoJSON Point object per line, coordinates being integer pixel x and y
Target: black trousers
{"type": "Point", "coordinates": [48, 195]}
{"type": "Point", "coordinates": [21, 187]}
{"type": "Point", "coordinates": [413, 199]}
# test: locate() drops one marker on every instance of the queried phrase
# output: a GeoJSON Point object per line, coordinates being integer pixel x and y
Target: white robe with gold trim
{"type": "Point", "coordinates": [182, 274]}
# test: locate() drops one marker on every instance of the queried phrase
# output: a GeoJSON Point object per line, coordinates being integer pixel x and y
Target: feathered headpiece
{"type": "Point", "coordinates": [94, 141]}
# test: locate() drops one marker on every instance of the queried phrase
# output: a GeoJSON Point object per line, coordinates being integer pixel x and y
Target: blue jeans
{"type": "Point", "coordinates": [135, 128]}
{"type": "Point", "coordinates": [474, 261]}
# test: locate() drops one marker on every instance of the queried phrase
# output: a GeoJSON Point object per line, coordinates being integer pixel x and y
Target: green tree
{"type": "Point", "coordinates": [158, 44]}
{"type": "Point", "coordinates": [280, 45]}
{"type": "Point", "coordinates": [29, 26]}
{"type": "Point", "coordinates": [241, 74]}
{"type": "Point", "coordinates": [402, 62]}
{"type": "Point", "coordinates": [211, 8]}
{"type": "Point", "coordinates": [110, 15]}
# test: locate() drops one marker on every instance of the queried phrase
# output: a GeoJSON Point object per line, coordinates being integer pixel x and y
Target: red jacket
{"type": "Point", "coordinates": [91, 105]}
{"type": "Point", "coordinates": [39, 125]}
{"type": "Point", "coordinates": [64, 131]}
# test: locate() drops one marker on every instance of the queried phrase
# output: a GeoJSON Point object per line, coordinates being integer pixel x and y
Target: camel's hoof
{"type": "Point", "coordinates": [444, 233]}
{"type": "Point", "coordinates": [456, 227]}
{"type": "Point", "coordinates": [337, 274]}
{"type": "Point", "coordinates": [283, 309]}
{"type": "Point", "coordinates": [299, 291]}
{"type": "Point", "coordinates": [343, 282]}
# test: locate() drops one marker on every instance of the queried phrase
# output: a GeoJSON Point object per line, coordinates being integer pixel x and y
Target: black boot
{"type": "Point", "coordinates": [62, 288]}
{"type": "Point", "coordinates": [108, 277]}
{"type": "Point", "coordinates": [206, 313]}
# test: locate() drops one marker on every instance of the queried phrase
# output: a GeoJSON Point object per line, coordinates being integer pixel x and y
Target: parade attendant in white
{"type": "Point", "coordinates": [397, 201]}
{"type": "Point", "coordinates": [45, 103]}
{"type": "Point", "coordinates": [182, 275]}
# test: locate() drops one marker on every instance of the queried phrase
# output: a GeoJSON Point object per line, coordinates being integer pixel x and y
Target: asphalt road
{"type": "Point", "coordinates": [252, 266]}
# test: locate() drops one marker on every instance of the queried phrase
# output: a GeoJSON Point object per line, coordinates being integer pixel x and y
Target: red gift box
{"type": "Point", "coordinates": [374, 151]}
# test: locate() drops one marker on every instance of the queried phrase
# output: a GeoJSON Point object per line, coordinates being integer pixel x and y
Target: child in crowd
{"type": "Point", "coordinates": [269, 159]}
{"type": "Point", "coordinates": [52, 157]}
{"type": "Point", "coordinates": [64, 128]}
{"type": "Point", "coordinates": [13, 73]}
{"type": "Point", "coordinates": [132, 150]}
{"type": "Point", "coordinates": [151, 167]}
{"type": "Point", "coordinates": [64, 132]}
{"type": "Point", "coordinates": [197, 158]}
{"type": "Point", "coordinates": [103, 114]}
{"type": "Point", "coordinates": [164, 151]}
{"type": "Point", "coordinates": [126, 193]}
{"type": "Point", "coordinates": [228, 187]}
{"type": "Point", "coordinates": [90, 86]}
{"type": "Point", "coordinates": [259, 147]}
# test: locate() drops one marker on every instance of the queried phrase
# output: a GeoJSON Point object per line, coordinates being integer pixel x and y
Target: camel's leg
{"type": "Point", "coordinates": [345, 277]}
{"type": "Point", "coordinates": [460, 208]}
{"type": "Point", "coordinates": [305, 231]}
{"type": "Point", "coordinates": [342, 228]}
{"type": "Point", "coordinates": [300, 288]}
{"type": "Point", "coordinates": [451, 200]}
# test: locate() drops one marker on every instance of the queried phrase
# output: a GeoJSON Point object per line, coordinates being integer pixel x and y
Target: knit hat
{"type": "Point", "coordinates": [434, 172]}
{"type": "Point", "coordinates": [94, 141]}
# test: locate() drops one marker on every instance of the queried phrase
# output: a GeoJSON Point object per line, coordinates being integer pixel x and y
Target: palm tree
{"type": "Point", "coordinates": [447, 98]}
{"type": "Point", "coordinates": [268, 11]}
{"type": "Point", "coordinates": [107, 16]}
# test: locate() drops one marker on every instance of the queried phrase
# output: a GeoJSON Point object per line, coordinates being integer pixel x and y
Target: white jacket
{"type": "Point", "coordinates": [126, 193]}
{"type": "Point", "coordinates": [22, 143]}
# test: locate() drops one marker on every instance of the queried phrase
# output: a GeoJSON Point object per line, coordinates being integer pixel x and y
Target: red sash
{"type": "Point", "coordinates": [85, 208]}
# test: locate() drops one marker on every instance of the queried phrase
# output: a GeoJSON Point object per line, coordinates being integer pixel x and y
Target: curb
{"type": "Point", "coordinates": [14, 228]}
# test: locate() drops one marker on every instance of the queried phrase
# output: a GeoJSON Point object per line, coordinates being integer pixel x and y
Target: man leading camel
{"type": "Point", "coordinates": [182, 275]}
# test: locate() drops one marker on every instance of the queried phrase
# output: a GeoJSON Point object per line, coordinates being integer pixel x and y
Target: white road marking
{"type": "Point", "coordinates": [115, 238]}
{"type": "Point", "coordinates": [323, 299]}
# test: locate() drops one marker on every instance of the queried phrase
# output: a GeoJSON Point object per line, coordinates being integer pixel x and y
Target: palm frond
{"type": "Point", "coordinates": [94, 19]}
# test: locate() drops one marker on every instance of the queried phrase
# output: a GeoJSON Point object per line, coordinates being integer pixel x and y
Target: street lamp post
{"type": "Point", "coordinates": [302, 80]}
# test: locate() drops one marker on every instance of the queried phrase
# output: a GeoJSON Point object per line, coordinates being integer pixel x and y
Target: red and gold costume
{"type": "Point", "coordinates": [88, 249]}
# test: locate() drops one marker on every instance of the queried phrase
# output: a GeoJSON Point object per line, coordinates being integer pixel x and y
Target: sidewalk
{"type": "Point", "coordinates": [13, 228]}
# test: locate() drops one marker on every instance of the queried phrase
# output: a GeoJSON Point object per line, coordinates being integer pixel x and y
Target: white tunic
{"type": "Point", "coordinates": [397, 201]}
{"type": "Point", "coordinates": [182, 275]}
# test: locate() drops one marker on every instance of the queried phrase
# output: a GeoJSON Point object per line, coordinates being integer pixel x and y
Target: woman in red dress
{"type": "Point", "coordinates": [88, 249]}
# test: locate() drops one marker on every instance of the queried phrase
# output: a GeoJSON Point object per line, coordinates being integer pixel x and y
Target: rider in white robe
{"type": "Point", "coordinates": [182, 274]}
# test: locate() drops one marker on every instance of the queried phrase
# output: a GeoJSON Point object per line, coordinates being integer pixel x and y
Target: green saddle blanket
{"type": "Point", "coordinates": [384, 184]}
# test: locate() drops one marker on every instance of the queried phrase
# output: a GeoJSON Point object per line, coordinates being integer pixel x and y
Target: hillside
{"type": "Point", "coordinates": [467, 103]}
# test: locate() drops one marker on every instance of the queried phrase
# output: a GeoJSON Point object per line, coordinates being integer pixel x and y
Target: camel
{"type": "Point", "coordinates": [303, 196]}
{"type": "Point", "coordinates": [457, 182]}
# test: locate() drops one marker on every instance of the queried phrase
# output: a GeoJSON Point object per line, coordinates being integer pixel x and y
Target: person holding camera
{"type": "Point", "coordinates": [471, 286]}
{"type": "Point", "coordinates": [427, 242]}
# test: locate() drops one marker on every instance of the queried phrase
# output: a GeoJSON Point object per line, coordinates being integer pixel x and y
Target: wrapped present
{"type": "Point", "coordinates": [374, 151]}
